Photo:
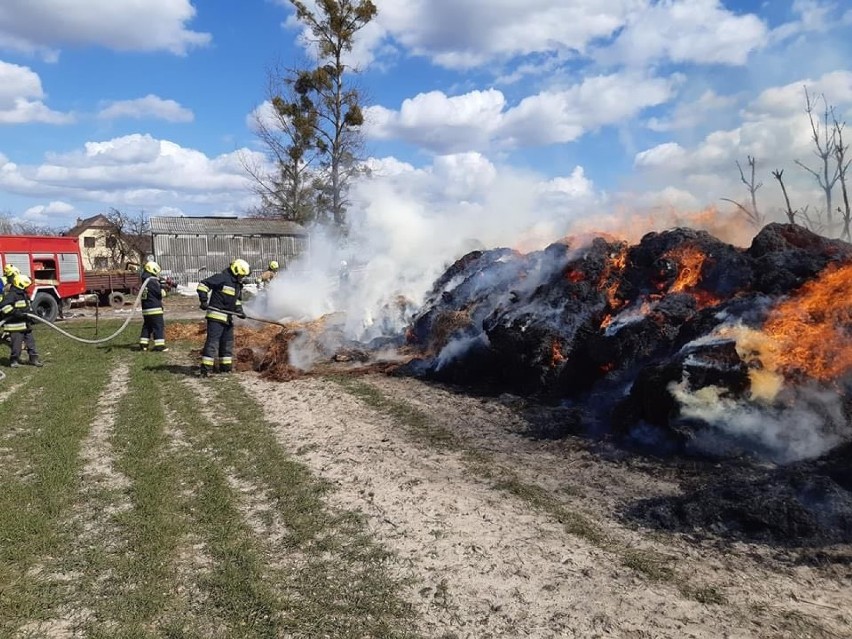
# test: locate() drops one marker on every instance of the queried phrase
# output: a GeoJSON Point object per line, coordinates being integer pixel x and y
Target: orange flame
{"type": "Point", "coordinates": [813, 328]}
{"type": "Point", "coordinates": [574, 276]}
{"type": "Point", "coordinates": [630, 224]}
{"type": "Point", "coordinates": [611, 277]}
{"type": "Point", "coordinates": [690, 259]}
{"type": "Point", "coordinates": [556, 356]}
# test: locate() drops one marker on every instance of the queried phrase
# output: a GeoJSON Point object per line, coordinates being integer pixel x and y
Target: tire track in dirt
{"type": "Point", "coordinates": [323, 569]}
{"type": "Point", "coordinates": [252, 501]}
{"type": "Point", "coordinates": [484, 563]}
{"type": "Point", "coordinates": [10, 463]}
{"type": "Point", "coordinates": [192, 563]}
{"type": "Point", "coordinates": [102, 497]}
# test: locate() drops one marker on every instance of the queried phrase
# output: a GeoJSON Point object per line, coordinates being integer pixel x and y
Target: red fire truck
{"type": "Point", "coordinates": [53, 263]}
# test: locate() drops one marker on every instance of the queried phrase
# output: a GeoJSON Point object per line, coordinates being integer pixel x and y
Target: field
{"type": "Point", "coordinates": [140, 501]}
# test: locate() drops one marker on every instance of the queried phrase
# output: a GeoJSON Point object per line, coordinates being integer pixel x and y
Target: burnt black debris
{"type": "Point", "coordinates": [614, 330]}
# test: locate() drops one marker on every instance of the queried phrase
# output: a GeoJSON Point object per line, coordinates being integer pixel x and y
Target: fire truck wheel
{"type": "Point", "coordinates": [116, 299]}
{"type": "Point", "coordinates": [46, 306]}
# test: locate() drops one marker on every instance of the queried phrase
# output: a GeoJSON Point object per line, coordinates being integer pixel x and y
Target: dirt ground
{"type": "Point", "coordinates": [178, 307]}
{"type": "Point", "coordinates": [485, 562]}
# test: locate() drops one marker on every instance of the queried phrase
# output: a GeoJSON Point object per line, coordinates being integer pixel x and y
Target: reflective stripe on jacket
{"type": "Point", "coordinates": [222, 292]}
{"type": "Point", "coordinates": [13, 309]}
{"type": "Point", "coordinates": [152, 296]}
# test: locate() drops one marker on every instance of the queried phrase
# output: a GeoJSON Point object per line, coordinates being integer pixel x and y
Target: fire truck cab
{"type": "Point", "coordinates": [54, 264]}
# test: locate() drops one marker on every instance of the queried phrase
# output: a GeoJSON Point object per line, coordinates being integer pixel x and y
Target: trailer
{"type": "Point", "coordinates": [113, 288]}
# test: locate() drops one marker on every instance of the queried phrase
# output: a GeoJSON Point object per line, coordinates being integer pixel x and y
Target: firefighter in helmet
{"type": "Point", "coordinates": [153, 322]}
{"type": "Point", "coordinates": [221, 296]}
{"type": "Point", "coordinates": [269, 274]}
{"type": "Point", "coordinates": [9, 272]}
{"type": "Point", "coordinates": [14, 309]}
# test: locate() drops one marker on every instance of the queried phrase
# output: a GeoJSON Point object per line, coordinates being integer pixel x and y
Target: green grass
{"type": "Point", "coordinates": [42, 426]}
{"type": "Point", "coordinates": [213, 531]}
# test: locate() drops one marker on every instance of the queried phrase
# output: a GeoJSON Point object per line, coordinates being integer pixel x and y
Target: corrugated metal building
{"type": "Point", "coordinates": [192, 248]}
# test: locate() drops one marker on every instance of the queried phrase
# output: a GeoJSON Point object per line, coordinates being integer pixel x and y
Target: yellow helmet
{"type": "Point", "coordinates": [10, 270]}
{"type": "Point", "coordinates": [273, 265]}
{"type": "Point", "coordinates": [21, 281]}
{"type": "Point", "coordinates": [240, 268]}
{"type": "Point", "coordinates": [152, 267]}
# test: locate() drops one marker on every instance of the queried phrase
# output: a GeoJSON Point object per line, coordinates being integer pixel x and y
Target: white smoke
{"type": "Point", "coordinates": [803, 423]}
{"type": "Point", "coordinates": [402, 238]}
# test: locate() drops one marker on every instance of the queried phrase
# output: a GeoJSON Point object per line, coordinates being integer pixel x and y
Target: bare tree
{"type": "Point", "coordinates": [791, 214]}
{"type": "Point", "coordinates": [128, 237]}
{"type": "Point", "coordinates": [840, 150]}
{"type": "Point", "coordinates": [824, 139]}
{"type": "Point", "coordinates": [8, 226]}
{"type": "Point", "coordinates": [752, 215]}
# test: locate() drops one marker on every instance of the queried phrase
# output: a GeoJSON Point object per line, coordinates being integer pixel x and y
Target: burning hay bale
{"type": "Point", "coordinates": [681, 333]}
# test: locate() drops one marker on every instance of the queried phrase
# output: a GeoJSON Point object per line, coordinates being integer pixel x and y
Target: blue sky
{"type": "Point", "coordinates": [550, 109]}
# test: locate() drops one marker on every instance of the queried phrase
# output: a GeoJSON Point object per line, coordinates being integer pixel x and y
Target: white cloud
{"type": "Point", "coordinates": [136, 170]}
{"type": "Point", "coordinates": [478, 119]}
{"type": "Point", "coordinates": [465, 34]}
{"type": "Point", "coordinates": [43, 26]}
{"type": "Point", "coordinates": [151, 106]}
{"type": "Point", "coordinates": [690, 115]}
{"type": "Point", "coordinates": [698, 31]}
{"type": "Point", "coordinates": [813, 16]}
{"type": "Point", "coordinates": [21, 97]}
{"type": "Point", "coordinates": [773, 129]}
{"type": "Point", "coordinates": [437, 121]}
{"type": "Point", "coordinates": [665, 154]}
{"type": "Point", "coordinates": [575, 185]}
{"type": "Point", "coordinates": [46, 212]}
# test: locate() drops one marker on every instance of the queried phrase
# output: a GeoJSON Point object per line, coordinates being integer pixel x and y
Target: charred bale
{"type": "Point", "coordinates": [787, 255]}
{"type": "Point", "coordinates": [651, 401]}
{"type": "Point", "coordinates": [643, 340]}
{"type": "Point", "coordinates": [475, 287]}
{"type": "Point", "coordinates": [653, 265]}
{"type": "Point", "coordinates": [541, 336]}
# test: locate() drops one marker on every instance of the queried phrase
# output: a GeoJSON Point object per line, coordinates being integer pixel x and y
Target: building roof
{"type": "Point", "coordinates": [223, 226]}
{"type": "Point", "coordinates": [96, 221]}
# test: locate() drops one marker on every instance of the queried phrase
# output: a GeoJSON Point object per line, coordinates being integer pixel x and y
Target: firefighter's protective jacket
{"type": "Point", "coordinates": [13, 308]}
{"type": "Point", "coordinates": [152, 296]}
{"type": "Point", "coordinates": [222, 292]}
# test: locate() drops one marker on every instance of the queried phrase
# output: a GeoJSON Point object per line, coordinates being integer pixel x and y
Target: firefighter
{"type": "Point", "coordinates": [13, 313]}
{"type": "Point", "coordinates": [9, 272]}
{"type": "Point", "coordinates": [153, 322]}
{"type": "Point", "coordinates": [221, 296]}
{"type": "Point", "coordinates": [269, 274]}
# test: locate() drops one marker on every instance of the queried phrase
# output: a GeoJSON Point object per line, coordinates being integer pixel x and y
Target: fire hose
{"type": "Point", "coordinates": [92, 341]}
{"type": "Point", "coordinates": [121, 328]}
{"type": "Point", "coordinates": [248, 317]}
{"type": "Point", "coordinates": [102, 340]}
{"type": "Point", "coordinates": [83, 340]}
